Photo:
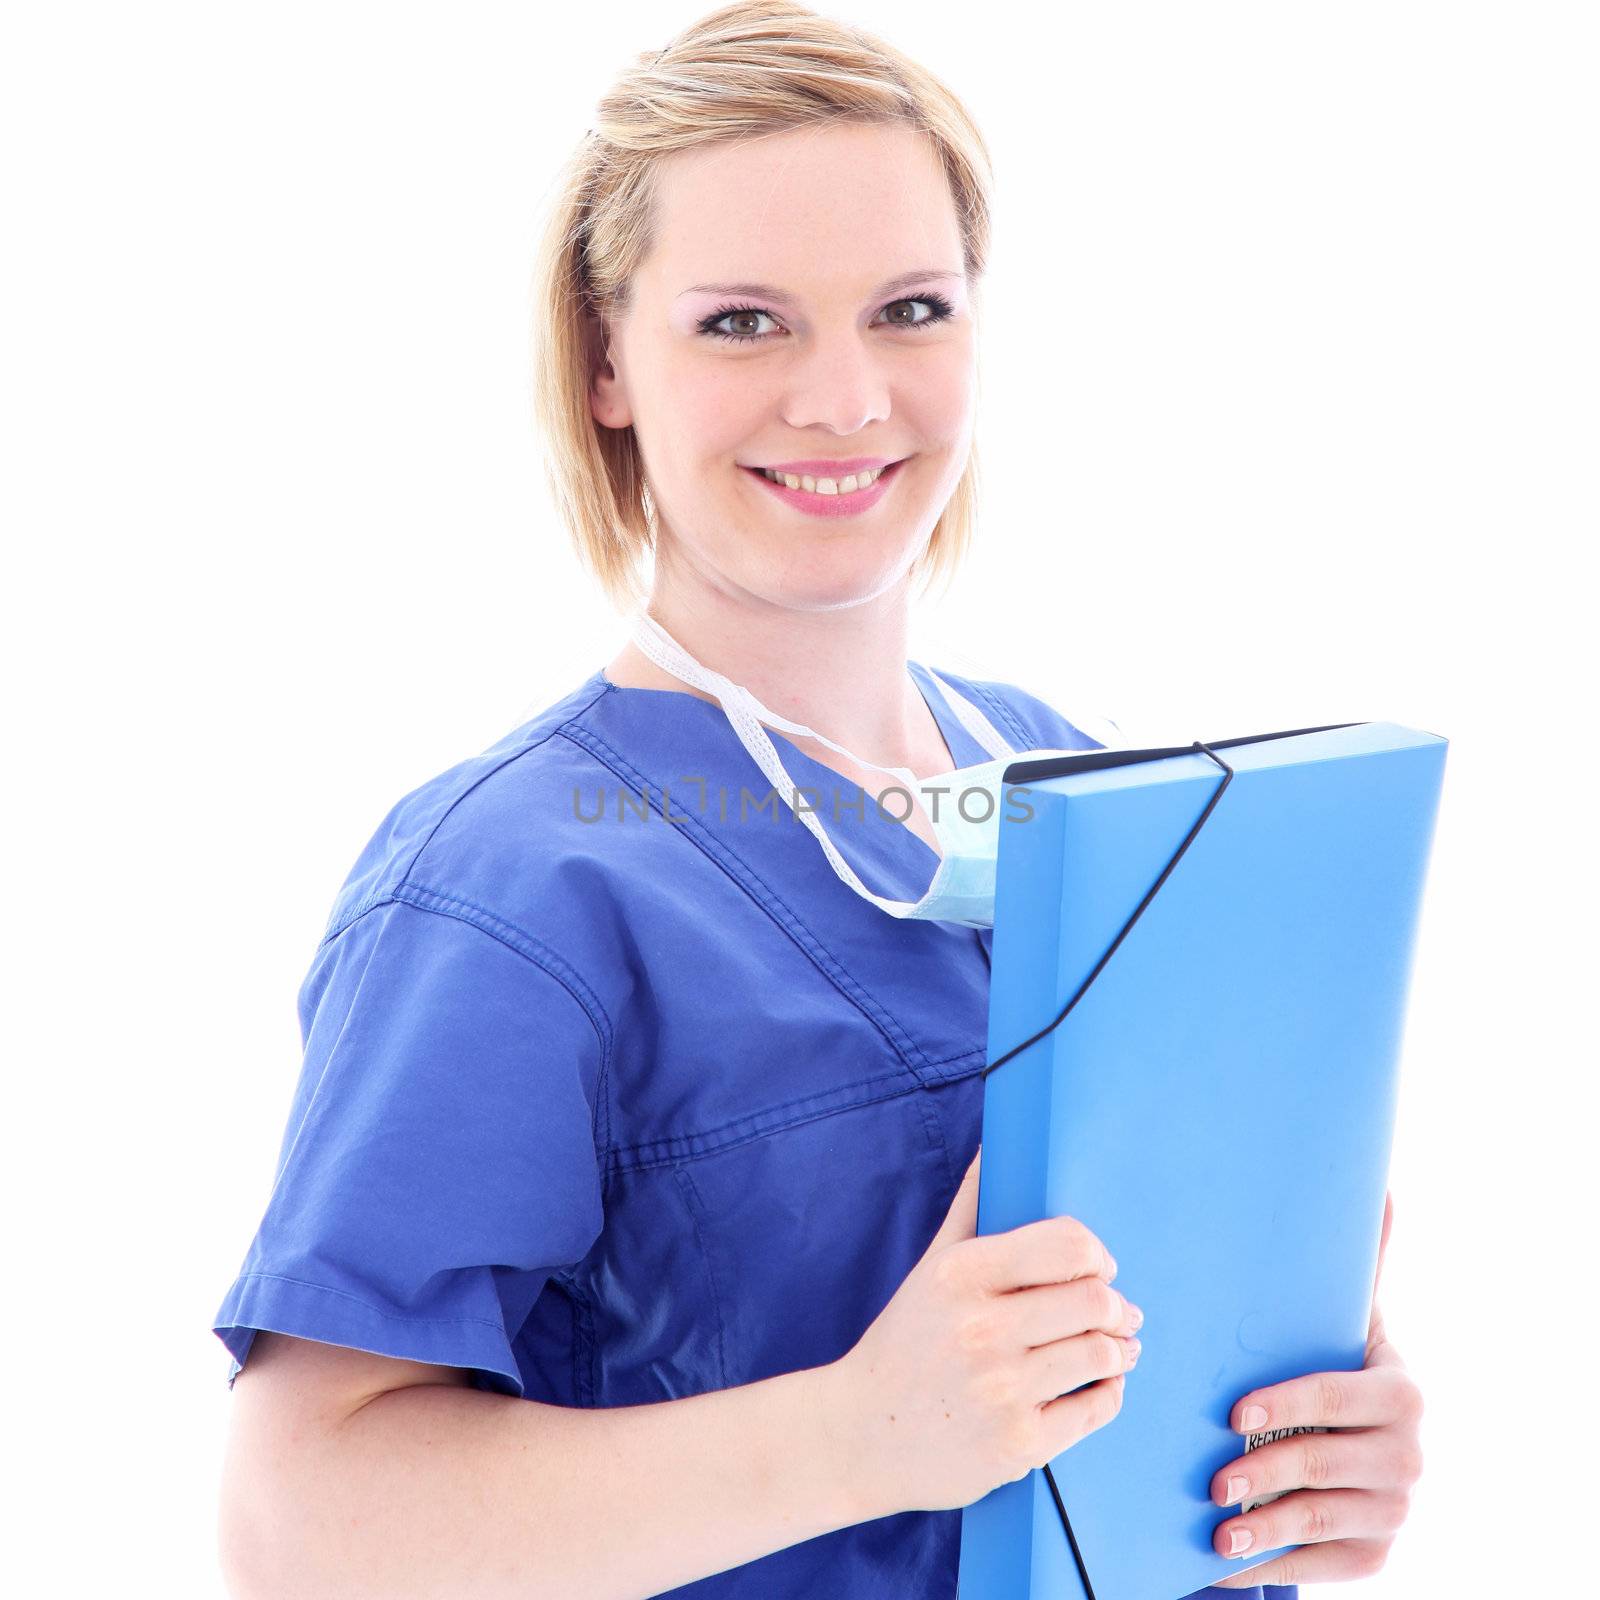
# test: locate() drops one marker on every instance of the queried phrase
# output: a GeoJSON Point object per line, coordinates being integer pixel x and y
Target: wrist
{"type": "Point", "coordinates": [848, 1463]}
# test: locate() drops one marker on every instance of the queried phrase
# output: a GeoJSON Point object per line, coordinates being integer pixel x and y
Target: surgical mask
{"type": "Point", "coordinates": [966, 824]}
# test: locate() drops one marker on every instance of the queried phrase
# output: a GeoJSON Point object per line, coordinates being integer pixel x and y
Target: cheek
{"type": "Point", "coordinates": [709, 411]}
{"type": "Point", "coordinates": [711, 414]}
{"type": "Point", "coordinates": [940, 405]}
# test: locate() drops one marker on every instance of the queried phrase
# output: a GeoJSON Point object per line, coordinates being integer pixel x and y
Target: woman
{"type": "Point", "coordinates": [620, 1240]}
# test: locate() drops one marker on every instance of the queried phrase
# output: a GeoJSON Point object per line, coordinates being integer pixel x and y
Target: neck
{"type": "Point", "coordinates": [842, 672]}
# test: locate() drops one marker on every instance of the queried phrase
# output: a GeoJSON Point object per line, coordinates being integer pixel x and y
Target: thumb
{"type": "Point", "coordinates": [961, 1221]}
{"type": "Point", "coordinates": [1375, 1333]}
{"type": "Point", "coordinates": [1383, 1242]}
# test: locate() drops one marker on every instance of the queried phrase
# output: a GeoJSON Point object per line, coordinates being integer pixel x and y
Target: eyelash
{"type": "Point", "coordinates": [942, 311]}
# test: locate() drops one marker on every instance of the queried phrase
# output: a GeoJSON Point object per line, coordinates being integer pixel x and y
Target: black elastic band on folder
{"type": "Point", "coordinates": [1094, 761]}
{"type": "Point", "coordinates": [1150, 893]}
{"type": "Point", "coordinates": [1057, 766]}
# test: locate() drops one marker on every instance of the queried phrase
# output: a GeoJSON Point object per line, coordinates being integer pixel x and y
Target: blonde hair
{"type": "Point", "coordinates": [754, 68]}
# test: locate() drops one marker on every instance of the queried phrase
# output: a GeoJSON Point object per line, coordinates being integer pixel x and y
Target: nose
{"type": "Point", "coordinates": [839, 385]}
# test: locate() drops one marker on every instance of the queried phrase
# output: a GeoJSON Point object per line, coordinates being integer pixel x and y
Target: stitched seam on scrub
{"type": "Point", "coordinates": [655, 1152]}
{"type": "Point", "coordinates": [591, 1344]}
{"type": "Point", "coordinates": [695, 1206]}
{"type": "Point", "coordinates": [380, 894]}
{"type": "Point", "coordinates": [764, 896]}
{"type": "Point", "coordinates": [522, 943]}
{"type": "Point", "coordinates": [772, 903]}
{"type": "Point", "coordinates": [768, 1120]}
{"type": "Point", "coordinates": [313, 1109]}
{"type": "Point", "coordinates": [367, 1305]}
{"type": "Point", "coordinates": [995, 703]}
{"type": "Point", "coordinates": [583, 1339]}
{"type": "Point", "coordinates": [692, 1147]}
{"type": "Point", "coordinates": [977, 1053]}
{"type": "Point", "coordinates": [516, 755]}
{"type": "Point", "coordinates": [820, 1102]}
{"type": "Point", "coordinates": [933, 1126]}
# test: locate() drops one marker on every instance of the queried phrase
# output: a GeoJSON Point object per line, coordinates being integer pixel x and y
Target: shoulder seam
{"type": "Point", "coordinates": [380, 894]}
{"type": "Point", "coordinates": [483, 777]}
{"type": "Point", "coordinates": [538, 954]}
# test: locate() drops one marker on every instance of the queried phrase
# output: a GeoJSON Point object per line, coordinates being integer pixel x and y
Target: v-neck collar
{"type": "Point", "coordinates": [924, 982]}
{"type": "Point", "coordinates": [963, 749]}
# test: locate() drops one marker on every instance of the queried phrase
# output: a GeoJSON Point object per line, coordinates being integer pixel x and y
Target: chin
{"type": "Point", "coordinates": [824, 580]}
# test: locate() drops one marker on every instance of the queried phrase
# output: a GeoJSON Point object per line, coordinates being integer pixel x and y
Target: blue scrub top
{"type": "Point", "coordinates": [612, 1108]}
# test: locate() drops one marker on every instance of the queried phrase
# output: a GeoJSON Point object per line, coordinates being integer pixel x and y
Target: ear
{"type": "Point", "coordinates": [608, 400]}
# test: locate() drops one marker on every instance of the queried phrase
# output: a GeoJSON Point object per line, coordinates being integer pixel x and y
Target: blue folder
{"type": "Point", "coordinates": [1210, 948]}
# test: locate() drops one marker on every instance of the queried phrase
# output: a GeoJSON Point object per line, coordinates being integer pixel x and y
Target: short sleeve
{"type": "Point", "coordinates": [442, 1156]}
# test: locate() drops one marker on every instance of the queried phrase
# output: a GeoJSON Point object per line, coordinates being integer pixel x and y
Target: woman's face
{"type": "Point", "coordinates": [844, 355]}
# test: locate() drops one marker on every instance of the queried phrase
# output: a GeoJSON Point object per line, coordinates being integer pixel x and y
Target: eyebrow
{"type": "Point", "coordinates": [765, 291]}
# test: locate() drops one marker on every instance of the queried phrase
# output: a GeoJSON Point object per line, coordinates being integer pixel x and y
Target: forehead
{"type": "Point", "coordinates": [816, 211]}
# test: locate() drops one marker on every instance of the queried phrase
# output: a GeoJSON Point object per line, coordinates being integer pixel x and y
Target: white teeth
{"type": "Point", "coordinates": [859, 480]}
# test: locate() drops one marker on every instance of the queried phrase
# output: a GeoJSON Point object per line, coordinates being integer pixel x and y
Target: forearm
{"type": "Point", "coordinates": [434, 1491]}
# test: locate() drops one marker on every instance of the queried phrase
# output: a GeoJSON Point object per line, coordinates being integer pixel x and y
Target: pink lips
{"type": "Point", "coordinates": [831, 505]}
{"type": "Point", "coordinates": [827, 469]}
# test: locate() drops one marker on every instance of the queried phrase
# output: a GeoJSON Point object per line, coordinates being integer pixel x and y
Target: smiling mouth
{"type": "Point", "coordinates": [803, 483]}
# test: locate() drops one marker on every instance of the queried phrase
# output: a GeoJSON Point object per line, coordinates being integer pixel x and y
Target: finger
{"type": "Point", "coordinates": [1371, 1398]}
{"type": "Point", "coordinates": [1054, 1371]}
{"type": "Point", "coordinates": [1030, 1318]}
{"type": "Point", "coordinates": [1366, 1458]}
{"type": "Point", "coordinates": [1314, 1563]}
{"type": "Point", "coordinates": [1314, 1516]}
{"type": "Point", "coordinates": [1067, 1418]}
{"type": "Point", "coordinates": [1381, 1352]}
{"type": "Point", "coordinates": [1052, 1250]}
{"type": "Point", "coordinates": [961, 1220]}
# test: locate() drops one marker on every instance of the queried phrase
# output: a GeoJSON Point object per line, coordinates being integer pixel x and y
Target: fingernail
{"type": "Point", "coordinates": [1238, 1488]}
{"type": "Point", "coordinates": [1134, 1347]}
{"type": "Point", "coordinates": [1253, 1420]}
{"type": "Point", "coordinates": [1138, 1317]}
{"type": "Point", "coordinates": [1239, 1539]}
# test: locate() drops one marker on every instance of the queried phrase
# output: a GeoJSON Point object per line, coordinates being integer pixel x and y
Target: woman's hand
{"type": "Point", "coordinates": [994, 1355]}
{"type": "Point", "coordinates": [1352, 1488]}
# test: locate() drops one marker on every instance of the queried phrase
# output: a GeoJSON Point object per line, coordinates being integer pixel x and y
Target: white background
{"type": "Point", "coordinates": [1289, 417]}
